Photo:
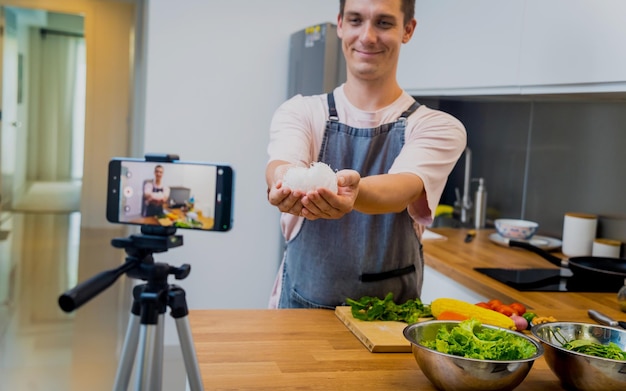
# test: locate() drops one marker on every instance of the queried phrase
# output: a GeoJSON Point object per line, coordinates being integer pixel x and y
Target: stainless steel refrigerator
{"type": "Point", "coordinates": [316, 62]}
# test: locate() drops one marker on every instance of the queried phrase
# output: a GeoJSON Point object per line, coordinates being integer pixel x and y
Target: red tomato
{"type": "Point", "coordinates": [519, 308]}
{"type": "Point", "coordinates": [506, 310]}
{"type": "Point", "coordinates": [494, 303]}
{"type": "Point", "coordinates": [483, 305]}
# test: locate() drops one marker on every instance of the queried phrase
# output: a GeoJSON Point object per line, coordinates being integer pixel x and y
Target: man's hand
{"type": "Point", "coordinates": [287, 200]}
{"type": "Point", "coordinates": [282, 197]}
{"type": "Point", "coordinates": [319, 204]}
{"type": "Point", "coordinates": [324, 204]}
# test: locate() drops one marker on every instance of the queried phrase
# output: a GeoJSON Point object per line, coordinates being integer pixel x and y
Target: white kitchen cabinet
{"type": "Point", "coordinates": [463, 45]}
{"type": "Point", "coordinates": [491, 47]}
{"type": "Point", "coordinates": [573, 45]}
{"type": "Point", "coordinates": [438, 285]}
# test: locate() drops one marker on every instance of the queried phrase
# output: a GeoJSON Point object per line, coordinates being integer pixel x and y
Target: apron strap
{"type": "Point", "coordinates": [332, 110]}
{"type": "Point", "coordinates": [409, 111]}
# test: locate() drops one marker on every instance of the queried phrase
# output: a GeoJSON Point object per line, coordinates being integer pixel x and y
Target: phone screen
{"type": "Point", "coordinates": [170, 194]}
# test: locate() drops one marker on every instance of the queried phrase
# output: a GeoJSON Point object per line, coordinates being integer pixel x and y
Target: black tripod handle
{"type": "Point", "coordinates": [85, 291]}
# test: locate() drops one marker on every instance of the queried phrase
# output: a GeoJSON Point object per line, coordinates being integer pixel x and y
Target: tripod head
{"type": "Point", "coordinates": [139, 265]}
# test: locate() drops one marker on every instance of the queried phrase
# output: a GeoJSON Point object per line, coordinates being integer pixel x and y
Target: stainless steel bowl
{"type": "Point", "coordinates": [449, 372]}
{"type": "Point", "coordinates": [579, 371]}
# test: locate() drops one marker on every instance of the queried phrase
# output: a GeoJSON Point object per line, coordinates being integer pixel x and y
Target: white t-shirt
{"type": "Point", "coordinates": [434, 140]}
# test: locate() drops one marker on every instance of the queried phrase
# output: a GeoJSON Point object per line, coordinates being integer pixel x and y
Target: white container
{"type": "Point", "coordinates": [608, 248]}
{"type": "Point", "coordinates": [579, 231]}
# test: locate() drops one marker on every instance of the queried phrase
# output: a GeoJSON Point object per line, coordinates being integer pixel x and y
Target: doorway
{"type": "Point", "coordinates": [43, 111]}
{"type": "Point", "coordinates": [34, 351]}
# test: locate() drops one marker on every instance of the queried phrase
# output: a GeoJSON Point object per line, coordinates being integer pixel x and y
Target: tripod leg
{"type": "Point", "coordinates": [179, 312]}
{"type": "Point", "coordinates": [157, 368]}
{"type": "Point", "coordinates": [152, 306]}
{"type": "Point", "coordinates": [145, 380]}
{"type": "Point", "coordinates": [189, 354]}
{"type": "Point", "coordinates": [129, 349]}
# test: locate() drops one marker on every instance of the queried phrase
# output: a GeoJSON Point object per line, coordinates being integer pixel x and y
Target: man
{"type": "Point", "coordinates": [155, 194]}
{"type": "Point", "coordinates": [393, 157]}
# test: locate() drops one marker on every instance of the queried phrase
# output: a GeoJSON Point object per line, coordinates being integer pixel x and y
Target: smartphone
{"type": "Point", "coordinates": [190, 195]}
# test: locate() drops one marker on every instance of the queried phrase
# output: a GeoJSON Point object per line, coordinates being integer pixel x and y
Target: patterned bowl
{"type": "Point", "coordinates": [516, 229]}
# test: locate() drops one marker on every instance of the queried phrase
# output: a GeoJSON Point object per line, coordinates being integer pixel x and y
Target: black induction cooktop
{"type": "Point", "coordinates": [546, 280]}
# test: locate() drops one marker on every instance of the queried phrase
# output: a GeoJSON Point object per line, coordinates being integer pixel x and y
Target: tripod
{"type": "Point", "coordinates": [150, 300]}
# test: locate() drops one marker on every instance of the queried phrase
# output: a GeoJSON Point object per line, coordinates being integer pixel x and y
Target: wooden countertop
{"type": "Point", "coordinates": [181, 215]}
{"type": "Point", "coordinates": [457, 260]}
{"type": "Point", "coordinates": [309, 349]}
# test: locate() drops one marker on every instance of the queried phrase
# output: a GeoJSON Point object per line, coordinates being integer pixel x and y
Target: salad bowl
{"type": "Point", "coordinates": [580, 371]}
{"type": "Point", "coordinates": [453, 372]}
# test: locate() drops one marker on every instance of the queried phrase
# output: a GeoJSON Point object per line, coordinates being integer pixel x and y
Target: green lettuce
{"type": "Point", "coordinates": [469, 339]}
{"type": "Point", "coordinates": [611, 351]}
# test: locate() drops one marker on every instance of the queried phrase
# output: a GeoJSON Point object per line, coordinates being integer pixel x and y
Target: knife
{"type": "Point", "coordinates": [605, 319]}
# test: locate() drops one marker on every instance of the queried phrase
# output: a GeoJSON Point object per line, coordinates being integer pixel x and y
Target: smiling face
{"type": "Point", "coordinates": [372, 32]}
{"type": "Point", "coordinates": [158, 174]}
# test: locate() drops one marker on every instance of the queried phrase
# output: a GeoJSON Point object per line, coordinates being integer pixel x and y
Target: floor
{"type": "Point", "coordinates": [42, 255]}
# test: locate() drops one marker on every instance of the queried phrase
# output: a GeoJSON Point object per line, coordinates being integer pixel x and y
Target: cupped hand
{"type": "Point", "coordinates": [285, 199]}
{"type": "Point", "coordinates": [325, 204]}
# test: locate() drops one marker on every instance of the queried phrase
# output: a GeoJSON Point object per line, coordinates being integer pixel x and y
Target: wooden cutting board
{"type": "Point", "coordinates": [378, 336]}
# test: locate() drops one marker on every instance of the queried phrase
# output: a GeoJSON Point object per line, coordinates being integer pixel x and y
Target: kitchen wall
{"type": "Point", "coordinates": [216, 71]}
{"type": "Point", "coordinates": [544, 156]}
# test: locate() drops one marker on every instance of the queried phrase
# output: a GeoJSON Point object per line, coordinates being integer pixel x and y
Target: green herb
{"type": "Point", "coordinates": [585, 346]}
{"type": "Point", "coordinates": [372, 308]}
{"type": "Point", "coordinates": [470, 339]}
{"type": "Point", "coordinates": [188, 224]}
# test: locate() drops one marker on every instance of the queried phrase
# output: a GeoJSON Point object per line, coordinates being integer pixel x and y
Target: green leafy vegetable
{"type": "Point", "coordinates": [585, 346]}
{"type": "Point", "coordinates": [188, 224]}
{"type": "Point", "coordinates": [470, 339]}
{"type": "Point", "coordinates": [372, 308]}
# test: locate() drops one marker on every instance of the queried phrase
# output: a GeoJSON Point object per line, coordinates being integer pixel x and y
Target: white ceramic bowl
{"type": "Point", "coordinates": [516, 229]}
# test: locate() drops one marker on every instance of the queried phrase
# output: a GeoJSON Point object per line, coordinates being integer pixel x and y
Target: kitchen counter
{"type": "Point", "coordinates": [309, 349]}
{"type": "Point", "coordinates": [180, 215]}
{"type": "Point", "coordinates": [457, 259]}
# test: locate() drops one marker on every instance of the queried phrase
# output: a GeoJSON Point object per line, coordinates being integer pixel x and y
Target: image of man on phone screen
{"type": "Point", "coordinates": [155, 194]}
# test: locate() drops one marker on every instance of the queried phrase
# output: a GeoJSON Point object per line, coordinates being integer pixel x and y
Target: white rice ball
{"type": "Point", "coordinates": [306, 179]}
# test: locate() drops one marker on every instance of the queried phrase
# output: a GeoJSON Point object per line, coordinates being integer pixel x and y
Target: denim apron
{"type": "Point", "coordinates": [359, 254]}
{"type": "Point", "coordinates": [154, 209]}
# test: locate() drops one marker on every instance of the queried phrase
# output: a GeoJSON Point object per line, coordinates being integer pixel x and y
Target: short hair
{"type": "Point", "coordinates": [407, 7]}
